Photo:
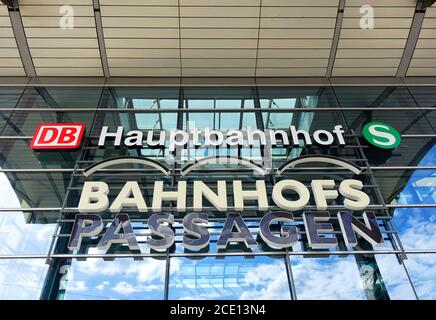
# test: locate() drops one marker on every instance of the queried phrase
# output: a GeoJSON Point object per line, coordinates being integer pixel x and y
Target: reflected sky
{"type": "Point", "coordinates": [417, 226]}
{"type": "Point", "coordinates": [341, 278]}
{"type": "Point", "coordinates": [421, 187]}
{"type": "Point", "coordinates": [21, 279]}
{"type": "Point", "coordinates": [332, 278]}
{"type": "Point", "coordinates": [422, 269]}
{"type": "Point", "coordinates": [17, 233]}
{"type": "Point", "coordinates": [417, 229]}
{"type": "Point", "coordinates": [232, 278]}
{"type": "Point", "coordinates": [223, 278]}
{"type": "Point", "coordinates": [394, 277]}
{"type": "Point", "coordinates": [118, 279]}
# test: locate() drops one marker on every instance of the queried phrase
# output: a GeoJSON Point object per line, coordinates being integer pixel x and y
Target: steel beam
{"type": "Point", "coordinates": [426, 3]}
{"type": "Point", "coordinates": [9, 3]}
{"type": "Point", "coordinates": [20, 37]}
{"type": "Point", "coordinates": [336, 37]}
{"type": "Point", "coordinates": [412, 40]}
{"type": "Point", "coordinates": [100, 38]}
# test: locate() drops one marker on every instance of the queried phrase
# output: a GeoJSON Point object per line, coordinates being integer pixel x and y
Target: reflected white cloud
{"type": "Point", "coordinates": [229, 278]}
{"type": "Point", "coordinates": [16, 234]}
{"type": "Point", "coordinates": [417, 230]}
{"type": "Point", "coordinates": [145, 271]}
{"type": "Point", "coordinates": [78, 286]}
{"type": "Point", "coordinates": [417, 226]}
{"type": "Point", "coordinates": [117, 279]}
{"type": "Point", "coordinates": [270, 282]}
{"type": "Point", "coordinates": [331, 278]}
{"type": "Point", "coordinates": [395, 278]}
{"type": "Point", "coordinates": [102, 285]}
{"type": "Point", "coordinates": [20, 279]}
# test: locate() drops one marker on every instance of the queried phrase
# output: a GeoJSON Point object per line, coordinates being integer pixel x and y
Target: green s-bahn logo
{"type": "Point", "coordinates": [381, 135]}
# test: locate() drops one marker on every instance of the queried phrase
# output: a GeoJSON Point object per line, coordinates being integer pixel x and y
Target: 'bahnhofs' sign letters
{"type": "Point", "coordinates": [229, 197]}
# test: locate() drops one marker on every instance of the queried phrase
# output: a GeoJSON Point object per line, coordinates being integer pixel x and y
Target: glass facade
{"type": "Point", "coordinates": [39, 193]}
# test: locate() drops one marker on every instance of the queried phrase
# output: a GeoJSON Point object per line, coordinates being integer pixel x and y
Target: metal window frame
{"type": "Point", "coordinates": [53, 256]}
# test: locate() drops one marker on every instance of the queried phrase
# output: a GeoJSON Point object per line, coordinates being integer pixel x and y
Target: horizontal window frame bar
{"type": "Point", "coordinates": [405, 136]}
{"type": "Point", "coordinates": [213, 254]}
{"type": "Point", "coordinates": [151, 188]}
{"type": "Point", "coordinates": [176, 173]}
{"type": "Point", "coordinates": [230, 208]}
{"type": "Point", "coordinates": [211, 219]}
{"type": "Point", "coordinates": [178, 82]}
{"type": "Point", "coordinates": [181, 233]}
{"type": "Point", "coordinates": [217, 110]}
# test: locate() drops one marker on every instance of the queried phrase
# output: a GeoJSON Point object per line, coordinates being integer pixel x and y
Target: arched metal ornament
{"type": "Point", "coordinates": [223, 160]}
{"type": "Point", "coordinates": [319, 158]}
{"type": "Point", "coordinates": [125, 160]}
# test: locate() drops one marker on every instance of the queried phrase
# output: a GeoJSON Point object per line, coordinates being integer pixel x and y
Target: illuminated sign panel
{"type": "Point", "coordinates": [381, 135]}
{"type": "Point", "coordinates": [58, 136]}
{"type": "Point", "coordinates": [214, 138]}
{"type": "Point", "coordinates": [230, 197]}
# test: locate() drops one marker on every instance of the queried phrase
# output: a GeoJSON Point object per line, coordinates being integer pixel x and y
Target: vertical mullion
{"type": "Point", "coordinates": [173, 182]}
{"type": "Point", "coordinates": [290, 276]}
{"type": "Point", "coordinates": [47, 290]}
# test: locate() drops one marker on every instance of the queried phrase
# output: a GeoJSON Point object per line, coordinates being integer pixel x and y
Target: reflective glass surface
{"type": "Point", "coordinates": [9, 96]}
{"type": "Point", "coordinates": [22, 279]}
{"type": "Point", "coordinates": [422, 269]}
{"type": "Point", "coordinates": [374, 96]}
{"type": "Point", "coordinates": [330, 278]}
{"type": "Point", "coordinates": [396, 282]}
{"type": "Point", "coordinates": [417, 226]}
{"type": "Point", "coordinates": [96, 279]}
{"type": "Point", "coordinates": [32, 189]}
{"type": "Point", "coordinates": [26, 233]}
{"type": "Point", "coordinates": [424, 96]}
{"type": "Point", "coordinates": [359, 277]}
{"type": "Point", "coordinates": [230, 278]}
{"type": "Point", "coordinates": [60, 97]}
{"type": "Point", "coordinates": [24, 123]}
{"type": "Point", "coordinates": [16, 154]}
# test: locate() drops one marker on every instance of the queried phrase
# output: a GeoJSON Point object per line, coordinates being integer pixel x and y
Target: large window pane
{"type": "Point", "coordinates": [231, 278]}
{"type": "Point", "coordinates": [298, 97]}
{"type": "Point", "coordinates": [416, 227]}
{"type": "Point", "coordinates": [422, 269]}
{"type": "Point", "coordinates": [409, 153]}
{"type": "Point", "coordinates": [22, 279]}
{"type": "Point", "coordinates": [9, 96]}
{"type": "Point", "coordinates": [142, 97]}
{"type": "Point", "coordinates": [214, 98]}
{"type": "Point", "coordinates": [329, 278]}
{"type": "Point", "coordinates": [61, 97]}
{"type": "Point", "coordinates": [405, 121]}
{"type": "Point", "coordinates": [23, 123]}
{"type": "Point", "coordinates": [34, 190]}
{"type": "Point", "coordinates": [356, 277]}
{"type": "Point", "coordinates": [407, 186]}
{"type": "Point", "coordinates": [25, 232]}
{"type": "Point", "coordinates": [394, 276]}
{"type": "Point", "coordinates": [374, 96]}
{"type": "Point", "coordinates": [125, 279]}
{"type": "Point", "coordinates": [16, 154]}
{"type": "Point", "coordinates": [424, 96]}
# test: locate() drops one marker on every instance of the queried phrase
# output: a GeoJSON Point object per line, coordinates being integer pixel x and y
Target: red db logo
{"type": "Point", "coordinates": [57, 136]}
